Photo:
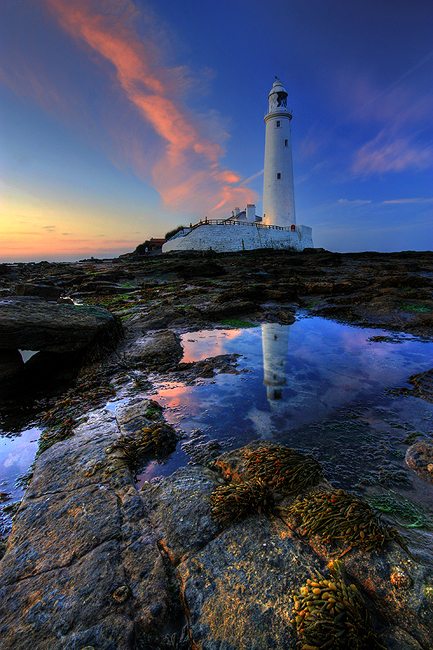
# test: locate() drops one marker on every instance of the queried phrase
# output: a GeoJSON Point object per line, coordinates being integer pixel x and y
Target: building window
{"type": "Point", "coordinates": [286, 143]}
{"type": "Point", "coordinates": [278, 124]}
{"type": "Point", "coordinates": [278, 176]}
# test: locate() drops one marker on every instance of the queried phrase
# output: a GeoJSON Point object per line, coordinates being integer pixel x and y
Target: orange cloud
{"type": "Point", "coordinates": [187, 174]}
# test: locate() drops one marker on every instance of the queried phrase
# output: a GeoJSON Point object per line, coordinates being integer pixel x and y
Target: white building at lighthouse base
{"type": "Point", "coordinates": [239, 234]}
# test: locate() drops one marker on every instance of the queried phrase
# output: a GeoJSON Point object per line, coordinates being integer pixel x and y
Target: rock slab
{"type": "Point", "coordinates": [38, 325]}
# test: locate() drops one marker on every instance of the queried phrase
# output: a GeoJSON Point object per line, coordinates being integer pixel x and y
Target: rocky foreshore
{"type": "Point", "coordinates": [94, 562]}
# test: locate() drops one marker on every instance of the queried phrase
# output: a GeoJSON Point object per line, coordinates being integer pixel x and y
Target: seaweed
{"type": "Point", "coordinates": [159, 439]}
{"type": "Point", "coordinates": [232, 502]}
{"type": "Point", "coordinates": [340, 515]}
{"type": "Point", "coordinates": [283, 469]}
{"type": "Point", "coordinates": [329, 614]}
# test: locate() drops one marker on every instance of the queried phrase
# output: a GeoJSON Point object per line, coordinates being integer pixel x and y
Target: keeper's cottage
{"type": "Point", "coordinates": [244, 230]}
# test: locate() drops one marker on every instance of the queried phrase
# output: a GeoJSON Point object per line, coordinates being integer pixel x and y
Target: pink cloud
{"type": "Point", "coordinates": [185, 166]}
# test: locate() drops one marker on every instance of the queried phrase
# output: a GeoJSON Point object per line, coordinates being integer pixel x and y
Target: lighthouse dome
{"type": "Point", "coordinates": [277, 88]}
{"type": "Point", "coordinates": [278, 98]}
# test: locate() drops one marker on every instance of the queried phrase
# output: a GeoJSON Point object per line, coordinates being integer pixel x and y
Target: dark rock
{"type": "Point", "coordinates": [101, 288]}
{"type": "Point", "coordinates": [223, 363]}
{"type": "Point", "coordinates": [395, 638]}
{"type": "Point", "coordinates": [419, 457]}
{"type": "Point", "coordinates": [195, 269]}
{"type": "Point", "coordinates": [38, 325]}
{"type": "Point", "coordinates": [157, 318]}
{"type": "Point", "coordinates": [48, 292]}
{"type": "Point", "coordinates": [82, 566]}
{"type": "Point", "coordinates": [238, 588]}
{"type": "Point", "coordinates": [179, 511]}
{"type": "Point", "coordinates": [423, 385]}
{"type": "Point", "coordinates": [235, 307]}
{"type": "Point", "coordinates": [11, 363]}
{"type": "Point", "coordinates": [160, 350]}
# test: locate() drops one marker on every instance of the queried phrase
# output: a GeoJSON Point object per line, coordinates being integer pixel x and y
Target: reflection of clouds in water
{"type": "Point", "coordinates": [322, 367]}
{"type": "Point", "coordinates": [262, 423]}
{"type": "Point", "coordinates": [207, 343]}
{"type": "Point", "coordinates": [16, 455]}
{"type": "Point", "coordinates": [20, 458]}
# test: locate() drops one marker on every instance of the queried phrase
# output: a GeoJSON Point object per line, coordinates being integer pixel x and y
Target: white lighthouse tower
{"type": "Point", "coordinates": [278, 190]}
{"type": "Point", "coordinates": [243, 230]}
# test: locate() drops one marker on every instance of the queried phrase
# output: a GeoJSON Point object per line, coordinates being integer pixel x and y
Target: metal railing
{"type": "Point", "coordinates": [230, 222]}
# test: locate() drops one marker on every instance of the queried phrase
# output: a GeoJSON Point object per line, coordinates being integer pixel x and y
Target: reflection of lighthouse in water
{"type": "Point", "coordinates": [275, 341]}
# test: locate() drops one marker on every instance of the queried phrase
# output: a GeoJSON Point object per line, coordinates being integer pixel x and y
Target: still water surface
{"type": "Point", "coordinates": [316, 385]}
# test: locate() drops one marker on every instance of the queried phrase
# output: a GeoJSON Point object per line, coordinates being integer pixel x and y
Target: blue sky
{"type": "Point", "coordinates": [121, 119]}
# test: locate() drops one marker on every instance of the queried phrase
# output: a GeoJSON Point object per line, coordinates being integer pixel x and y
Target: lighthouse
{"type": "Point", "coordinates": [243, 230]}
{"type": "Point", "coordinates": [278, 190]}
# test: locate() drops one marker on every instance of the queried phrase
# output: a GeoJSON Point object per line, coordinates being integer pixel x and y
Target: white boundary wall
{"type": "Point", "coordinates": [229, 238]}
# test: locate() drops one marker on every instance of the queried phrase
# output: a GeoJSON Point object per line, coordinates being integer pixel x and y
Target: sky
{"type": "Point", "coordinates": [122, 119]}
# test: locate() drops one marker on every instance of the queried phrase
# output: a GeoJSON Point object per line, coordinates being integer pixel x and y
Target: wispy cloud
{"type": "Point", "coordinates": [419, 200]}
{"type": "Point", "coordinates": [397, 81]}
{"type": "Point", "coordinates": [185, 162]}
{"type": "Point", "coordinates": [354, 202]}
{"type": "Point", "coordinates": [396, 118]}
{"type": "Point", "coordinates": [387, 153]}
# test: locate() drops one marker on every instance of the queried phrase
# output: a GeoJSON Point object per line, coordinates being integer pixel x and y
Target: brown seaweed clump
{"type": "Point", "coordinates": [340, 515]}
{"type": "Point", "coordinates": [241, 498]}
{"type": "Point", "coordinates": [158, 439]}
{"type": "Point", "coordinates": [331, 615]}
{"type": "Point", "coordinates": [286, 470]}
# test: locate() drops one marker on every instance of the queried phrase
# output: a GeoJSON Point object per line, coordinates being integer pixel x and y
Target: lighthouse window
{"type": "Point", "coordinates": [286, 143]}
{"type": "Point", "coordinates": [278, 124]}
{"type": "Point", "coordinates": [278, 176]}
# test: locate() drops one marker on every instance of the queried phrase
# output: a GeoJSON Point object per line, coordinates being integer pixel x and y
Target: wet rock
{"type": "Point", "coordinates": [48, 292]}
{"type": "Point", "coordinates": [243, 292]}
{"type": "Point", "coordinates": [238, 588]}
{"type": "Point", "coordinates": [198, 269]}
{"type": "Point", "coordinates": [423, 385]}
{"type": "Point", "coordinates": [419, 457]}
{"type": "Point", "coordinates": [11, 363]}
{"type": "Point", "coordinates": [395, 638]}
{"type": "Point", "coordinates": [160, 350]}
{"type": "Point", "coordinates": [101, 287]}
{"type": "Point", "coordinates": [82, 566]}
{"type": "Point", "coordinates": [39, 325]}
{"type": "Point", "coordinates": [157, 318]}
{"type": "Point", "coordinates": [232, 308]}
{"type": "Point", "coordinates": [405, 599]}
{"type": "Point", "coordinates": [207, 368]}
{"type": "Point", "coordinates": [137, 414]}
{"type": "Point", "coordinates": [179, 511]}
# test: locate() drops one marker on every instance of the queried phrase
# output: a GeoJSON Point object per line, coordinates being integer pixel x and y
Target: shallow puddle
{"type": "Point", "coordinates": [315, 385]}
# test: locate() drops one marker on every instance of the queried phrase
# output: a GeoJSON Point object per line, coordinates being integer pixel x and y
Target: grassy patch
{"type": "Point", "coordinates": [237, 322]}
{"type": "Point", "coordinates": [417, 308]}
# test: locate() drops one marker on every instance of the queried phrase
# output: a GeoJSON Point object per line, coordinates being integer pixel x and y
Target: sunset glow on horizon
{"type": "Point", "coordinates": [121, 120]}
